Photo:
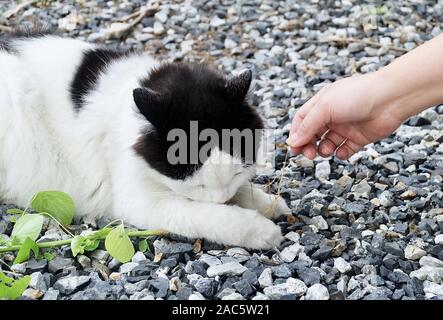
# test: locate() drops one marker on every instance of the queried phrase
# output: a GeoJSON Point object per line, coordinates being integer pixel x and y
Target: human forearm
{"type": "Point", "coordinates": [413, 82]}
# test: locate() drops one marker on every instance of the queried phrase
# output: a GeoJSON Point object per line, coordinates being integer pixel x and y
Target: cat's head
{"type": "Point", "coordinates": [186, 106]}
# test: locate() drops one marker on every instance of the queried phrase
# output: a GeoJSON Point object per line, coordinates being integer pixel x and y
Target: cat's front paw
{"type": "Point", "coordinates": [275, 207]}
{"type": "Point", "coordinates": [262, 234]}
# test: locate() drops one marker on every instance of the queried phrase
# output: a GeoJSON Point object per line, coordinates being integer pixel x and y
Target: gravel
{"type": "Point", "coordinates": [367, 228]}
{"type": "Point", "coordinates": [342, 265]}
{"type": "Point", "coordinates": [292, 287]}
{"type": "Point", "coordinates": [265, 279]}
{"type": "Point", "coordinates": [229, 268]}
{"type": "Point", "coordinates": [317, 292]}
{"type": "Point", "coordinates": [413, 252]}
{"type": "Point", "coordinates": [70, 284]}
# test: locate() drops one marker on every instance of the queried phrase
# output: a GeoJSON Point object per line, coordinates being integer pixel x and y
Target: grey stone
{"type": "Point", "coordinates": [168, 248]}
{"type": "Point", "coordinates": [310, 276]}
{"type": "Point", "coordinates": [38, 282]}
{"type": "Point", "coordinates": [244, 288]}
{"type": "Point", "coordinates": [207, 287]}
{"type": "Point", "coordinates": [281, 271]}
{"type": "Point", "coordinates": [51, 294]}
{"type": "Point", "coordinates": [59, 264]}
{"type": "Point", "coordinates": [230, 269]}
{"type": "Point", "coordinates": [159, 287]}
{"type": "Point", "coordinates": [70, 284]}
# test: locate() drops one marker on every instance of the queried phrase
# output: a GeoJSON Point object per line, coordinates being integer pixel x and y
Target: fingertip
{"type": "Point", "coordinates": [298, 140]}
{"type": "Point", "coordinates": [342, 153]}
{"type": "Point", "coordinates": [291, 139]}
{"type": "Point", "coordinates": [296, 151]}
{"type": "Point", "coordinates": [310, 152]}
{"type": "Point", "coordinates": [326, 148]}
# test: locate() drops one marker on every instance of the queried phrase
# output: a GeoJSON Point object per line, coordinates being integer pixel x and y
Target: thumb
{"type": "Point", "coordinates": [310, 127]}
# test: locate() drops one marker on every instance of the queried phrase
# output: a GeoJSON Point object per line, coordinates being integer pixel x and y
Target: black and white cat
{"type": "Point", "coordinates": [92, 122]}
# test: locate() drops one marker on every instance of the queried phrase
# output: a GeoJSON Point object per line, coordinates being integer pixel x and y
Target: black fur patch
{"type": "Point", "coordinates": [30, 31]}
{"type": "Point", "coordinates": [185, 93]}
{"type": "Point", "coordinates": [93, 64]}
{"type": "Point", "coordinates": [5, 45]}
{"type": "Point", "coordinates": [24, 32]}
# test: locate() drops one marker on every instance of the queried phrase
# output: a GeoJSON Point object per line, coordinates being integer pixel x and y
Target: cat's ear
{"type": "Point", "coordinates": [238, 86]}
{"type": "Point", "coordinates": [147, 102]}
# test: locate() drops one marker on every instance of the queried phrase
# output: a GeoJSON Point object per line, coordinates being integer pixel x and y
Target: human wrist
{"type": "Point", "coordinates": [394, 95]}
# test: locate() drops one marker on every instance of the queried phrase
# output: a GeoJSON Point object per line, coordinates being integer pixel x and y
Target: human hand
{"type": "Point", "coordinates": [344, 116]}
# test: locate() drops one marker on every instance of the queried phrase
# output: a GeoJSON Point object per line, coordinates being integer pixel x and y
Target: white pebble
{"type": "Point", "coordinates": [320, 223]}
{"type": "Point", "coordinates": [260, 296]}
{"type": "Point", "coordinates": [367, 233]}
{"type": "Point", "coordinates": [229, 43]}
{"type": "Point", "coordinates": [291, 286]}
{"type": "Point", "coordinates": [293, 236]}
{"type": "Point", "coordinates": [229, 268]}
{"type": "Point", "coordinates": [196, 296]}
{"type": "Point", "coordinates": [386, 199]}
{"type": "Point", "coordinates": [233, 296]}
{"type": "Point", "coordinates": [217, 22]}
{"type": "Point", "coordinates": [265, 279]}
{"type": "Point", "coordinates": [413, 252]}
{"type": "Point", "coordinates": [323, 170]}
{"type": "Point", "coordinates": [289, 253]}
{"type": "Point", "coordinates": [138, 257]}
{"type": "Point", "coordinates": [342, 265]}
{"type": "Point", "coordinates": [158, 28]}
{"type": "Point", "coordinates": [127, 267]}
{"type": "Point", "coordinates": [317, 292]}
{"type": "Point", "coordinates": [432, 289]}
{"type": "Point", "coordinates": [431, 262]}
{"type": "Point", "coordinates": [186, 46]}
{"type": "Point", "coordinates": [428, 273]}
{"type": "Point", "coordinates": [161, 16]}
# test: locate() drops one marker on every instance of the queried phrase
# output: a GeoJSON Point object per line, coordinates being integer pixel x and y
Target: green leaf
{"type": "Point", "coordinates": [91, 245]}
{"type": "Point", "coordinates": [48, 256]}
{"type": "Point", "coordinates": [143, 245]}
{"type": "Point", "coordinates": [80, 244]}
{"type": "Point", "coordinates": [77, 245]}
{"type": "Point", "coordinates": [119, 245]}
{"type": "Point", "coordinates": [56, 203]}
{"type": "Point", "coordinates": [25, 251]}
{"type": "Point", "coordinates": [15, 211]}
{"type": "Point", "coordinates": [12, 289]}
{"type": "Point", "coordinates": [27, 226]}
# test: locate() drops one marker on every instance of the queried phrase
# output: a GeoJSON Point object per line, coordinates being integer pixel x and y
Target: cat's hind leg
{"type": "Point", "coordinates": [253, 197]}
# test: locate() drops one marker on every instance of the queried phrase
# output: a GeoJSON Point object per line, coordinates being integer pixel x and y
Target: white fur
{"type": "Point", "coordinates": [46, 145]}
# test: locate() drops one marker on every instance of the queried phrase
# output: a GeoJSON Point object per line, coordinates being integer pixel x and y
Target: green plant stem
{"type": "Point", "coordinates": [59, 243]}
{"type": "Point", "coordinates": [146, 233]}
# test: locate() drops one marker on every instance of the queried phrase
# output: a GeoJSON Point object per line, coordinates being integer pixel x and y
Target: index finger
{"type": "Point", "coordinates": [301, 113]}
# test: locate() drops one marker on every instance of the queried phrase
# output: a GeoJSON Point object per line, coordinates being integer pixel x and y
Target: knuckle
{"type": "Point", "coordinates": [304, 125]}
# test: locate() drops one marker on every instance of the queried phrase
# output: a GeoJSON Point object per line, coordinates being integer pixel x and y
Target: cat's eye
{"type": "Point", "coordinates": [238, 173]}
